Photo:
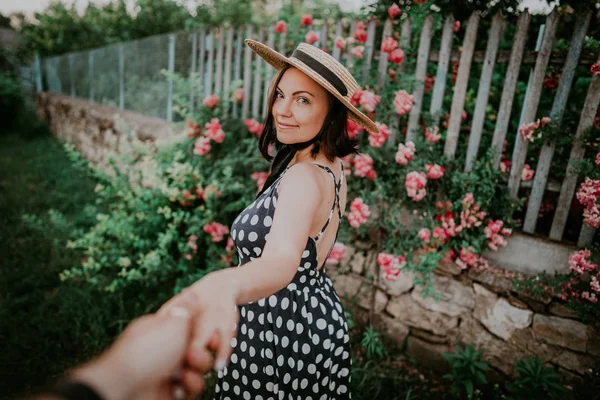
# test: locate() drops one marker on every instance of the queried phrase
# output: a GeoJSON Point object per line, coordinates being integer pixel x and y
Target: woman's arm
{"type": "Point", "coordinates": [299, 196]}
{"type": "Point", "coordinates": [218, 293]}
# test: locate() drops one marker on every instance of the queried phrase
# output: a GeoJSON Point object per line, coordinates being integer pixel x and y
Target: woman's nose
{"type": "Point", "coordinates": [283, 108]}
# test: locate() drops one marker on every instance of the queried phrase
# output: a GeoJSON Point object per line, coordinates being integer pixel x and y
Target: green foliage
{"type": "Point", "coordinates": [60, 29]}
{"type": "Point", "coordinates": [11, 101]}
{"type": "Point", "coordinates": [372, 343]}
{"type": "Point", "coordinates": [468, 371]}
{"type": "Point", "coordinates": [535, 381]}
{"type": "Point", "coordinates": [47, 326]}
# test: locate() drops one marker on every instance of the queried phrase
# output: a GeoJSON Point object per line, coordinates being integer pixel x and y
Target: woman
{"type": "Point", "coordinates": [290, 338]}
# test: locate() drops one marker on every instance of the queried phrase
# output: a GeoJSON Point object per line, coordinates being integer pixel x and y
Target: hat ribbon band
{"type": "Point", "coordinates": [322, 70]}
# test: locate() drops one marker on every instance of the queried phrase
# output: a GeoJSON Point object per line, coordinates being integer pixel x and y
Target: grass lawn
{"type": "Point", "coordinates": [45, 327]}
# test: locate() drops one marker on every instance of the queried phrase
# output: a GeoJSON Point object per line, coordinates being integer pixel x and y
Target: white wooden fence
{"type": "Point", "coordinates": [217, 58]}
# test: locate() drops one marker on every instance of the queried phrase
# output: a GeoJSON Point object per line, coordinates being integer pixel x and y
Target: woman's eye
{"type": "Point", "coordinates": [304, 98]}
{"type": "Point", "coordinates": [278, 94]}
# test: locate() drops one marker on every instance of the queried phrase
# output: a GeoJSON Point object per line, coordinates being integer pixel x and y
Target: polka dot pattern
{"type": "Point", "coordinates": [293, 344]}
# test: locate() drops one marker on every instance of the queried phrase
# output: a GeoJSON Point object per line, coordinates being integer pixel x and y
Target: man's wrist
{"type": "Point", "coordinates": [106, 377]}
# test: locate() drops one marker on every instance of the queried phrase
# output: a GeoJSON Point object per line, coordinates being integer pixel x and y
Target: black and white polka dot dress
{"type": "Point", "coordinates": [293, 344]}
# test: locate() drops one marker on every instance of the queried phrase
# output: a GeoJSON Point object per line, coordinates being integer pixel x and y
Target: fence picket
{"type": "Point", "coordinates": [558, 107]}
{"type": "Point", "coordinates": [531, 102]}
{"type": "Point", "coordinates": [369, 50]}
{"type": "Point", "coordinates": [349, 58]}
{"type": "Point", "coordinates": [337, 52]}
{"type": "Point", "coordinates": [219, 69]}
{"type": "Point", "coordinates": [201, 62]}
{"type": "Point", "coordinates": [209, 88]}
{"type": "Point", "coordinates": [228, 57]}
{"type": "Point", "coordinates": [258, 67]}
{"type": "Point", "coordinates": [439, 86]}
{"type": "Point", "coordinates": [268, 73]}
{"type": "Point", "coordinates": [91, 74]}
{"type": "Point", "coordinates": [383, 57]}
{"type": "Point", "coordinates": [247, 73]}
{"type": "Point", "coordinates": [122, 76]}
{"type": "Point", "coordinates": [323, 41]}
{"type": "Point", "coordinates": [394, 120]}
{"type": "Point", "coordinates": [460, 88]}
{"type": "Point", "coordinates": [592, 100]}
{"type": "Point", "coordinates": [510, 84]}
{"type": "Point", "coordinates": [192, 79]}
{"type": "Point", "coordinates": [237, 73]}
{"type": "Point", "coordinates": [483, 92]}
{"type": "Point", "coordinates": [171, 71]}
{"type": "Point", "coordinates": [421, 71]}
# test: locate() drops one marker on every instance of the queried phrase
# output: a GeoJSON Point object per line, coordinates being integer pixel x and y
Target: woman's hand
{"type": "Point", "coordinates": [212, 301]}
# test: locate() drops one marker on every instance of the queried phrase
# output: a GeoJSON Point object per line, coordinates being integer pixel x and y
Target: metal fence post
{"type": "Point", "coordinates": [38, 74]}
{"type": "Point", "coordinates": [171, 71]}
{"type": "Point", "coordinates": [91, 74]}
{"type": "Point", "coordinates": [71, 75]}
{"type": "Point", "coordinates": [121, 76]}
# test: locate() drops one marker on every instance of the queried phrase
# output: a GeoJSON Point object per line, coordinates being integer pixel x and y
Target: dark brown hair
{"type": "Point", "coordinates": [334, 139]}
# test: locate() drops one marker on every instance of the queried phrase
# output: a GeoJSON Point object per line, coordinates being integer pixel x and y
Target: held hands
{"type": "Point", "coordinates": [165, 355]}
{"type": "Point", "coordinates": [212, 302]}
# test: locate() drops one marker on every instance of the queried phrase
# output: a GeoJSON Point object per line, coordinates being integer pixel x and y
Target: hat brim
{"type": "Point", "coordinates": [279, 61]}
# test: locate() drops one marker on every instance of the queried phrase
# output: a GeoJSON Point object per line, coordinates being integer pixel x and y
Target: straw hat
{"type": "Point", "coordinates": [324, 69]}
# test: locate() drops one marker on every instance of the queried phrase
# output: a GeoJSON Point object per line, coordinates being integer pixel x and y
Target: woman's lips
{"type": "Point", "coordinates": [283, 126]}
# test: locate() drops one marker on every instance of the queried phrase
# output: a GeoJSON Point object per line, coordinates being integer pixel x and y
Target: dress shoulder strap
{"type": "Point", "coordinates": [337, 196]}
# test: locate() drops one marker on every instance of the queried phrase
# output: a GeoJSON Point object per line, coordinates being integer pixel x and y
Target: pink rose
{"type": "Point", "coordinates": [405, 153]}
{"type": "Point", "coordinates": [424, 234]}
{"type": "Point", "coordinates": [216, 230]}
{"type": "Point", "coordinates": [377, 140]}
{"type": "Point", "coordinates": [369, 101]}
{"type": "Point", "coordinates": [336, 255]}
{"type": "Point", "coordinates": [396, 56]}
{"type": "Point", "coordinates": [403, 102]}
{"type": "Point", "coordinates": [360, 34]}
{"type": "Point", "coordinates": [356, 97]}
{"type": "Point", "coordinates": [202, 146]}
{"type": "Point", "coordinates": [579, 262]}
{"type": "Point", "coordinates": [588, 193]}
{"type": "Point", "coordinates": [358, 51]}
{"type": "Point", "coordinates": [359, 212]}
{"type": "Point", "coordinates": [363, 166]}
{"type": "Point", "coordinates": [597, 159]}
{"type": "Point", "coordinates": [281, 27]}
{"type": "Point", "coordinates": [456, 26]}
{"type": "Point", "coordinates": [415, 185]}
{"type": "Point", "coordinates": [260, 178]}
{"type": "Point", "coordinates": [505, 166]}
{"type": "Point", "coordinates": [433, 135]}
{"type": "Point", "coordinates": [311, 37]}
{"type": "Point", "coordinates": [388, 45]}
{"type": "Point", "coordinates": [340, 43]}
{"type": "Point", "coordinates": [527, 131]}
{"type": "Point", "coordinates": [306, 20]}
{"type": "Point", "coordinates": [591, 216]}
{"type": "Point", "coordinates": [213, 131]}
{"type": "Point", "coordinates": [254, 126]}
{"type": "Point", "coordinates": [211, 101]}
{"type": "Point", "coordinates": [545, 121]}
{"type": "Point", "coordinates": [595, 68]}
{"type": "Point", "coordinates": [434, 171]}
{"type": "Point", "coordinates": [394, 11]}
{"type": "Point", "coordinates": [353, 129]}
{"type": "Point", "coordinates": [238, 95]}
{"type": "Point", "coordinates": [527, 173]}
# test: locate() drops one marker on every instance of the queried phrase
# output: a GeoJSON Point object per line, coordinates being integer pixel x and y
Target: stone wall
{"type": "Point", "coordinates": [94, 129]}
{"type": "Point", "coordinates": [478, 308]}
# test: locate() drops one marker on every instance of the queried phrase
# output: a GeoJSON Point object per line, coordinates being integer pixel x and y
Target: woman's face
{"type": "Point", "coordinates": [299, 108]}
